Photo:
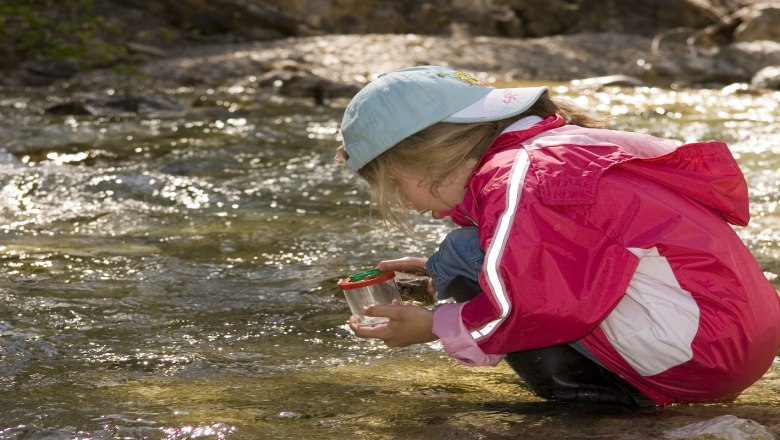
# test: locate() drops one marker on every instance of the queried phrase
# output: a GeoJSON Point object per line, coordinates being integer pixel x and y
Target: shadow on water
{"type": "Point", "coordinates": [174, 277]}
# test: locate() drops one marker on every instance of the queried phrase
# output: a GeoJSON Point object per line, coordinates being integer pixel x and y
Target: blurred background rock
{"type": "Point", "coordinates": [691, 41]}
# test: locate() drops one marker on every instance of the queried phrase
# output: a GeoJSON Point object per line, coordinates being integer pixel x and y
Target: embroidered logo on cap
{"type": "Point", "coordinates": [463, 76]}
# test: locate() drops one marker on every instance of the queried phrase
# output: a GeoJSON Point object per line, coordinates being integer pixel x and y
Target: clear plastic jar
{"type": "Point", "coordinates": [368, 288]}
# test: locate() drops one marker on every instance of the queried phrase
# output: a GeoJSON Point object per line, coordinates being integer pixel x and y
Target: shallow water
{"type": "Point", "coordinates": [174, 277]}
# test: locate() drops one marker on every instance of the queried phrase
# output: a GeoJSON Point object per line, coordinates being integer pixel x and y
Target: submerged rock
{"type": "Point", "coordinates": [413, 287]}
{"type": "Point", "coordinates": [609, 80]}
{"type": "Point", "coordinates": [726, 427]}
{"type": "Point", "coordinates": [157, 105]}
{"type": "Point", "coordinates": [767, 78]}
{"type": "Point", "coordinates": [304, 84]}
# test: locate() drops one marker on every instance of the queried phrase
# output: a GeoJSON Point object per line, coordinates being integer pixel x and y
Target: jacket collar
{"type": "Point", "coordinates": [511, 138]}
{"type": "Point", "coordinates": [506, 140]}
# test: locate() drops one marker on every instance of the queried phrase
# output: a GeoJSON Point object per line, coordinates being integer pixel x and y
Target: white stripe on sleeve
{"type": "Point", "coordinates": [496, 249]}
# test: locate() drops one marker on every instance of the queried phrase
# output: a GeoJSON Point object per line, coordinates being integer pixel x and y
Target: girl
{"type": "Point", "coordinates": [606, 267]}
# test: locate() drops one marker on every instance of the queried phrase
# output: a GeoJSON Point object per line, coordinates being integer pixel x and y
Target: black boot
{"type": "Point", "coordinates": [560, 373]}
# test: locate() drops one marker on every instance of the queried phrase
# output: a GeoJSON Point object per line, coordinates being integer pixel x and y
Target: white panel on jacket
{"type": "Point", "coordinates": [653, 326]}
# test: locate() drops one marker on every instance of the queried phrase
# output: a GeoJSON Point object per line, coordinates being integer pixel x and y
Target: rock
{"type": "Point", "coordinates": [413, 287]}
{"type": "Point", "coordinates": [303, 84]}
{"type": "Point", "coordinates": [152, 29]}
{"type": "Point", "coordinates": [748, 57]}
{"type": "Point", "coordinates": [542, 18]}
{"type": "Point", "coordinates": [505, 18]}
{"type": "Point", "coordinates": [220, 17]}
{"type": "Point", "coordinates": [726, 427]}
{"type": "Point", "coordinates": [7, 158]}
{"type": "Point", "coordinates": [158, 105]}
{"type": "Point", "coordinates": [507, 23]}
{"type": "Point", "coordinates": [701, 69]}
{"type": "Point", "coordinates": [354, 60]}
{"type": "Point", "coordinates": [370, 16]}
{"type": "Point", "coordinates": [43, 71]}
{"type": "Point", "coordinates": [737, 62]}
{"type": "Point", "coordinates": [551, 17]}
{"type": "Point", "coordinates": [767, 78]}
{"type": "Point", "coordinates": [759, 22]}
{"type": "Point", "coordinates": [145, 49]}
{"type": "Point", "coordinates": [609, 80]}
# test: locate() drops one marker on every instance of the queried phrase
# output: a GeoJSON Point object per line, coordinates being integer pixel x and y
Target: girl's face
{"type": "Point", "coordinates": [416, 192]}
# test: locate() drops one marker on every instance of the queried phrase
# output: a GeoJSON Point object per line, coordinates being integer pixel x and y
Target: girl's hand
{"type": "Point", "coordinates": [413, 265]}
{"type": "Point", "coordinates": [408, 325]}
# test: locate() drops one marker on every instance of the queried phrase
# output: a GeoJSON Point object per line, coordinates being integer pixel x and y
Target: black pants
{"type": "Point", "coordinates": [559, 372]}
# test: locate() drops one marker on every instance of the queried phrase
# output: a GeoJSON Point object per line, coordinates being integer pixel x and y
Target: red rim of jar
{"type": "Point", "coordinates": [346, 284]}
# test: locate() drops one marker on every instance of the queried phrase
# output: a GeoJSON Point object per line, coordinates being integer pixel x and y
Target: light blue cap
{"type": "Point", "coordinates": [396, 105]}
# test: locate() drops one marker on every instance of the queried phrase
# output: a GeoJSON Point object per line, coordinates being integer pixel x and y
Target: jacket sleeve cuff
{"type": "Point", "coordinates": [457, 340]}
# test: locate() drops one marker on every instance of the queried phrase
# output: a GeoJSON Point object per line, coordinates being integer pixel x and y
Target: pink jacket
{"type": "Point", "coordinates": [619, 240]}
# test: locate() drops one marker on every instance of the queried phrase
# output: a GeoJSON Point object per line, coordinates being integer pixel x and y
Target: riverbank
{"type": "Point", "coordinates": [339, 62]}
{"type": "Point", "coordinates": [332, 66]}
{"type": "Point", "coordinates": [324, 49]}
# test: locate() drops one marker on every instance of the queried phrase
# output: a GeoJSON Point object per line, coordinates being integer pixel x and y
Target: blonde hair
{"type": "Point", "coordinates": [437, 151]}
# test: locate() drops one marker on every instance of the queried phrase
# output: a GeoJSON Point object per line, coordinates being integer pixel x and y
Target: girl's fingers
{"type": "Point", "coordinates": [431, 288]}
{"type": "Point", "coordinates": [378, 331]}
{"type": "Point", "coordinates": [406, 264]}
{"type": "Point", "coordinates": [408, 325]}
{"type": "Point", "coordinates": [383, 311]}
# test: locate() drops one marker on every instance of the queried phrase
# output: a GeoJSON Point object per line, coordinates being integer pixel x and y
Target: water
{"type": "Point", "coordinates": [175, 277]}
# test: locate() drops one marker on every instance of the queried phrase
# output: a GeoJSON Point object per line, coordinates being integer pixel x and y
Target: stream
{"type": "Point", "coordinates": [173, 276]}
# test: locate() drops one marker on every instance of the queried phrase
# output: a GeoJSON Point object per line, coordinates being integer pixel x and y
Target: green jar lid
{"type": "Point", "coordinates": [366, 274]}
{"type": "Point", "coordinates": [366, 278]}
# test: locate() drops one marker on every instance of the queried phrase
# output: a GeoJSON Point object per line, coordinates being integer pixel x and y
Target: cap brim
{"type": "Point", "coordinates": [498, 104]}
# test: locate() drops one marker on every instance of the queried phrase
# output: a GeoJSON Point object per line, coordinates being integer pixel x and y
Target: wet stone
{"type": "Point", "coordinates": [413, 287]}
{"type": "Point", "coordinates": [726, 427]}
